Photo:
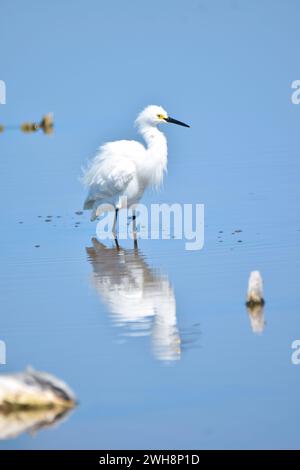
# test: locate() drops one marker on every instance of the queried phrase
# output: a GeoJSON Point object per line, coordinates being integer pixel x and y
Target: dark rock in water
{"type": "Point", "coordinates": [79, 212]}
{"type": "Point", "coordinates": [37, 246]}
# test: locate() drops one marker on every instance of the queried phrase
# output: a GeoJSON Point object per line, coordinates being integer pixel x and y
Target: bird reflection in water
{"type": "Point", "coordinates": [139, 298]}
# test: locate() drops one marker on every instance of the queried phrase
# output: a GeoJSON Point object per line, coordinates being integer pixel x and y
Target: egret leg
{"type": "Point", "coordinates": [134, 229]}
{"type": "Point", "coordinates": [114, 231]}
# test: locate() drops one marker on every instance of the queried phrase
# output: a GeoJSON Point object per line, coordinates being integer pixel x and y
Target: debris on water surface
{"type": "Point", "coordinates": [255, 302]}
{"type": "Point", "coordinates": [33, 390]}
{"type": "Point", "coordinates": [255, 289]}
{"type": "Point", "coordinates": [47, 123]}
{"type": "Point", "coordinates": [32, 400]}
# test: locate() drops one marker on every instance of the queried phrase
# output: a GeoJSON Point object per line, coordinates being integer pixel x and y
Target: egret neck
{"type": "Point", "coordinates": [155, 162]}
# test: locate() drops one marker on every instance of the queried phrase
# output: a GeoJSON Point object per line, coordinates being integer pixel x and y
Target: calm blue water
{"type": "Point", "coordinates": [157, 344]}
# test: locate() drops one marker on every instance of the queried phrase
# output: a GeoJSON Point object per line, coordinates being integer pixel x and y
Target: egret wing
{"type": "Point", "coordinates": [111, 170]}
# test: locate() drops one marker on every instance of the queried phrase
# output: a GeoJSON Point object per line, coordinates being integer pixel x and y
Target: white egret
{"type": "Point", "coordinates": [122, 170]}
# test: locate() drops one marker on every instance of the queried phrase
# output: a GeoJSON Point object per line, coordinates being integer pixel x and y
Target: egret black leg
{"type": "Point", "coordinates": [114, 228]}
{"type": "Point", "coordinates": [133, 221]}
{"type": "Point", "coordinates": [135, 243]}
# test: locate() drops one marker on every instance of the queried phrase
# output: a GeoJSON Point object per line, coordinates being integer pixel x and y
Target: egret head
{"type": "Point", "coordinates": [153, 115]}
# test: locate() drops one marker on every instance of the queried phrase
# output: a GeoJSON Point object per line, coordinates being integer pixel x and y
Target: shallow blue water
{"type": "Point", "coordinates": [193, 373]}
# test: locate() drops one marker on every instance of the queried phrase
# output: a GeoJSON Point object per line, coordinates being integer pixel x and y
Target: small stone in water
{"type": "Point", "coordinates": [255, 289]}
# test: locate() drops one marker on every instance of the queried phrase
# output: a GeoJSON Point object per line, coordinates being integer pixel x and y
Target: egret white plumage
{"type": "Point", "coordinates": [122, 170]}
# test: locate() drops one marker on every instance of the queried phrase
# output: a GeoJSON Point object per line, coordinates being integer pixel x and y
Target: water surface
{"type": "Point", "coordinates": [157, 343]}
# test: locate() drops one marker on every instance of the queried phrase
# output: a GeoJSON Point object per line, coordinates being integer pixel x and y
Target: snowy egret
{"type": "Point", "coordinates": [121, 171]}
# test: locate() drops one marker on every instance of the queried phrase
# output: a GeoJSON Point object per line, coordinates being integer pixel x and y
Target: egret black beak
{"type": "Point", "coordinates": [174, 121]}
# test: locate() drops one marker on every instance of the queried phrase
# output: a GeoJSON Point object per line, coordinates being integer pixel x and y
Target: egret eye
{"type": "Point", "coordinates": [161, 116]}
